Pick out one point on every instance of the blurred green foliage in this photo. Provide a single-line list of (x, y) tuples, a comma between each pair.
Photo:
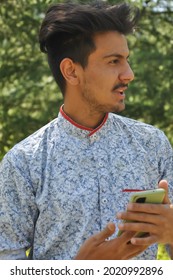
[(29, 97)]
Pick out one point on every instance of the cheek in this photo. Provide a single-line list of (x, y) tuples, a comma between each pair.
[(101, 77), (97, 79)]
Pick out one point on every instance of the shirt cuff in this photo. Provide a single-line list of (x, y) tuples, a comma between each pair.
[(13, 255)]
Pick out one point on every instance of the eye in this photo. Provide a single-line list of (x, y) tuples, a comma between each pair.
[(114, 61)]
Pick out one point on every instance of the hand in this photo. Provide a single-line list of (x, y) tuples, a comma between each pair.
[(97, 247), (156, 219)]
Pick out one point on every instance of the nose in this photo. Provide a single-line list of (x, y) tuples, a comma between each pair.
[(126, 75)]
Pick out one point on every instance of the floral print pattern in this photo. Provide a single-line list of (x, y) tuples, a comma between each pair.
[(61, 184)]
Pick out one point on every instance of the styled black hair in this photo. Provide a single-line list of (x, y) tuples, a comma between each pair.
[(68, 30)]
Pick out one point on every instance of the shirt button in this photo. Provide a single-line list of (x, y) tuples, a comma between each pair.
[(95, 136), (104, 200)]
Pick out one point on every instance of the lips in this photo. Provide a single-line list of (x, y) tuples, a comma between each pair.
[(120, 88), (121, 91)]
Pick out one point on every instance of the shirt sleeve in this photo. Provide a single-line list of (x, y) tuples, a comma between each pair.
[(165, 152), (13, 255), (165, 162), (18, 211)]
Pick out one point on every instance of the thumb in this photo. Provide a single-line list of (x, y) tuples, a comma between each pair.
[(164, 185), (105, 233)]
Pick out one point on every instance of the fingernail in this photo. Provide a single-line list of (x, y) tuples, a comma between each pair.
[(133, 241), (119, 215), (111, 226), (120, 226), (129, 206)]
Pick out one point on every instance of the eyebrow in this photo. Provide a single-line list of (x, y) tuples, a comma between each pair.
[(116, 55)]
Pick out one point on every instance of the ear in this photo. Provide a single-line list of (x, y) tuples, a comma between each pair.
[(69, 71)]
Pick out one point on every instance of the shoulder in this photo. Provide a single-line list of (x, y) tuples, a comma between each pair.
[(131, 123), (142, 132), (135, 125), (34, 145)]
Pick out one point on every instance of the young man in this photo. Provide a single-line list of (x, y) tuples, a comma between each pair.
[(62, 188)]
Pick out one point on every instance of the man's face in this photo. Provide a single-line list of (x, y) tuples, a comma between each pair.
[(107, 74)]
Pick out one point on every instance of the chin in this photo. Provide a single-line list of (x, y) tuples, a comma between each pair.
[(118, 109)]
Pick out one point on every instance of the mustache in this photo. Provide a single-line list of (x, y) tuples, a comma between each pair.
[(120, 86)]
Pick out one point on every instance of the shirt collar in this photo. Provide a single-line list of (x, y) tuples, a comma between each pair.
[(76, 128)]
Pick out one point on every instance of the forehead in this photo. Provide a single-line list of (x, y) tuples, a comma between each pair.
[(111, 42)]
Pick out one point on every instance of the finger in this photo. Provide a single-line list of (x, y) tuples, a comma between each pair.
[(146, 241), (146, 208), (164, 185), (104, 234), (140, 217), (126, 236), (139, 249), (138, 227)]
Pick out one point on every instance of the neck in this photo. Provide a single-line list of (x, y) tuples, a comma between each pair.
[(83, 116)]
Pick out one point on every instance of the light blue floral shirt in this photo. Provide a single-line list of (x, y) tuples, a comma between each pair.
[(64, 183)]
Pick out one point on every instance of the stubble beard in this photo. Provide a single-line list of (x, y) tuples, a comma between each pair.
[(96, 107)]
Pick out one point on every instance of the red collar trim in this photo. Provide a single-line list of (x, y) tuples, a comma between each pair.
[(92, 131), (97, 128)]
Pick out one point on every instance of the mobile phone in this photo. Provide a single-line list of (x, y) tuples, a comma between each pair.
[(155, 196)]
